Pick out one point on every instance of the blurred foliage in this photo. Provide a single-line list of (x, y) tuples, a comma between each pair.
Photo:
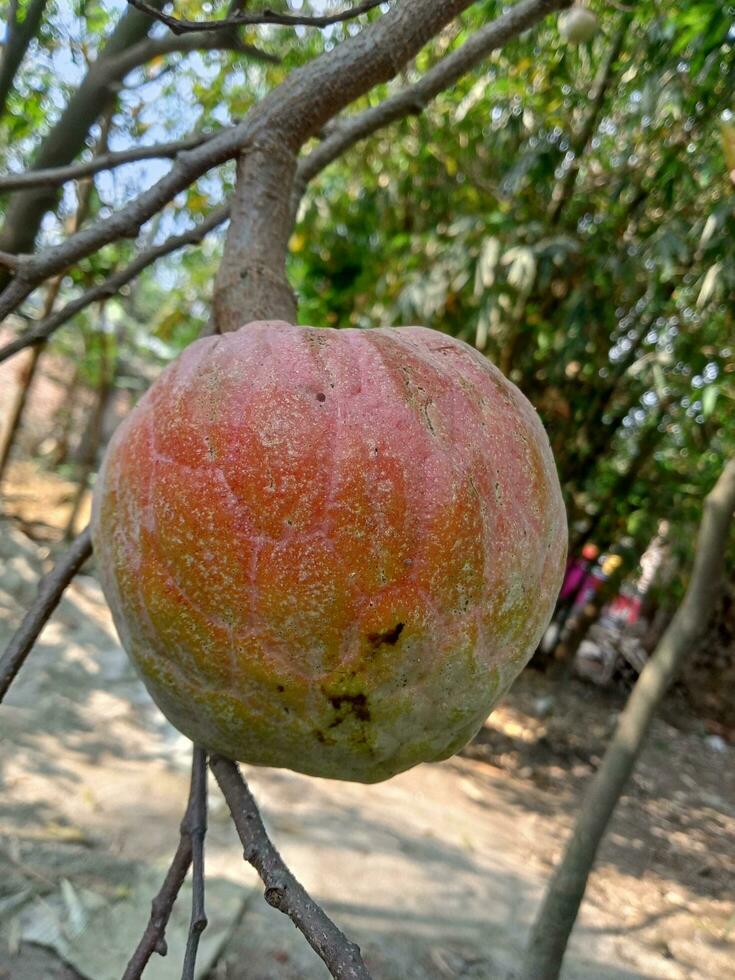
[(615, 316)]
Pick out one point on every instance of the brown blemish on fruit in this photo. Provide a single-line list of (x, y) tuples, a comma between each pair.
[(356, 704), (389, 637)]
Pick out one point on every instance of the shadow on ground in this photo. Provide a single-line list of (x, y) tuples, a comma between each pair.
[(436, 873)]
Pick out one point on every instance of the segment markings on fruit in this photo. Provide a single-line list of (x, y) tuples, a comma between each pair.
[(330, 550)]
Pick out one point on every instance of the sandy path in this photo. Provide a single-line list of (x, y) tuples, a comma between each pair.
[(436, 873)]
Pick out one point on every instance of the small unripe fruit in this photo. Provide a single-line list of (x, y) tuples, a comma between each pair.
[(330, 550), (578, 25)]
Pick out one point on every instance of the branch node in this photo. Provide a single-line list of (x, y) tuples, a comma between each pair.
[(275, 896)]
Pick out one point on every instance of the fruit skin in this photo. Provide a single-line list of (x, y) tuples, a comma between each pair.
[(330, 550), (578, 25)]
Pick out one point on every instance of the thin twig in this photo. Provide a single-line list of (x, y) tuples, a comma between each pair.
[(282, 890), (105, 161), (178, 25), (44, 328), (153, 939), (50, 589), (197, 821)]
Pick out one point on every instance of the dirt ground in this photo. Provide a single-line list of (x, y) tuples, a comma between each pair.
[(436, 873)]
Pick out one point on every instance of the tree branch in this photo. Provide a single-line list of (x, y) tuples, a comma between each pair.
[(50, 589), (105, 161), (111, 285), (414, 98), (126, 48), (197, 829), (115, 69), (282, 890), (291, 113), (153, 939), (11, 261), (251, 281), (18, 37), (67, 137), (181, 26), (269, 294)]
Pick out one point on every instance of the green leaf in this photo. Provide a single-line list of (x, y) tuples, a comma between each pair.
[(709, 400)]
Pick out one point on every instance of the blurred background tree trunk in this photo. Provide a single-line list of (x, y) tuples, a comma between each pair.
[(557, 915)]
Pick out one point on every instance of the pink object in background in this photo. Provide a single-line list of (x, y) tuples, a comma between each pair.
[(626, 608), (579, 582)]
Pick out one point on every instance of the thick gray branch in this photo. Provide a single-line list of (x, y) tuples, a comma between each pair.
[(414, 98), (10, 261), (251, 281), (251, 284), (282, 890), (558, 912)]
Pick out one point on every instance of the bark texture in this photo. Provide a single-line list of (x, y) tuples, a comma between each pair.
[(251, 284), (282, 890)]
